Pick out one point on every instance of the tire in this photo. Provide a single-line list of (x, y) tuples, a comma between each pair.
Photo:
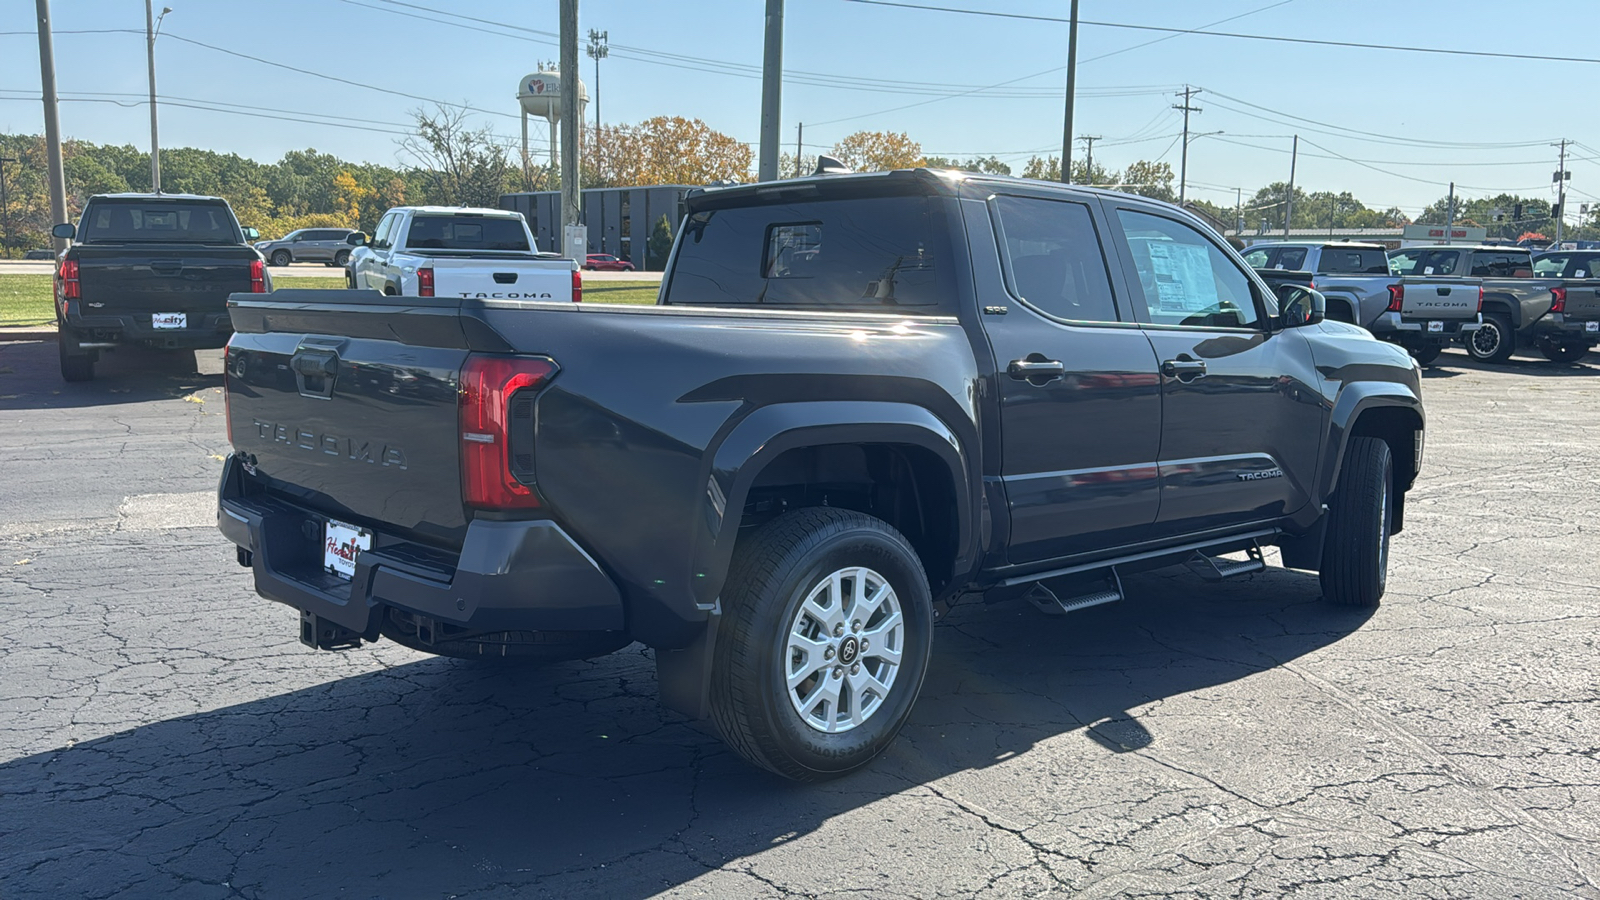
[(783, 609), (1355, 551), (75, 366), (1425, 354), (281, 258), (341, 258), (1563, 353), (514, 647), (1495, 341)]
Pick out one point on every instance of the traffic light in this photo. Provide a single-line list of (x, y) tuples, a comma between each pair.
[(1516, 213), (1555, 211)]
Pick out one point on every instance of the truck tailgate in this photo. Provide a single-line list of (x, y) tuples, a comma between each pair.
[(516, 278), (350, 408), (1434, 298), (145, 278), (1583, 299)]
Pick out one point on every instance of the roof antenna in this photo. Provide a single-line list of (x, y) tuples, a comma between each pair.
[(827, 165)]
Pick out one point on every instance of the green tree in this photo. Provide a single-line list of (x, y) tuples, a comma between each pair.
[(659, 245), (1150, 179), (1043, 169), (988, 165)]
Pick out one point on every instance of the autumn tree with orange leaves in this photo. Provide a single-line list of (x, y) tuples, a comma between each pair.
[(662, 150), (877, 151)]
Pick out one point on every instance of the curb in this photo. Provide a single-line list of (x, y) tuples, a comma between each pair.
[(40, 333)]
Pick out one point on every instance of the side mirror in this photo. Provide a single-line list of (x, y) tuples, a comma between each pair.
[(1300, 306), (356, 239), (251, 234), (64, 230)]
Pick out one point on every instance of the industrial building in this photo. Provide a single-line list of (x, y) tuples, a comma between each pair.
[(619, 219)]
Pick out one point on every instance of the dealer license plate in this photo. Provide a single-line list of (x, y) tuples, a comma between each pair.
[(169, 320), (341, 544), (1591, 326), (1435, 327)]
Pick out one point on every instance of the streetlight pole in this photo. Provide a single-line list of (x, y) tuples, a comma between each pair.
[(1183, 178), (5, 203), (1072, 88), (152, 27)]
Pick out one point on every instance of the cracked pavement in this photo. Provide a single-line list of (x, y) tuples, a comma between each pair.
[(164, 733)]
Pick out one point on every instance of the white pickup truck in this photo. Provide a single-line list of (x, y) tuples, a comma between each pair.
[(450, 251)]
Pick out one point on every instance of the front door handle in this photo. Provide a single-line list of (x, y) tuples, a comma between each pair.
[(1036, 370), (1184, 369)]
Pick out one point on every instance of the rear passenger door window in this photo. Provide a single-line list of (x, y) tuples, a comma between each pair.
[(1259, 258), (1291, 258), (1053, 258)]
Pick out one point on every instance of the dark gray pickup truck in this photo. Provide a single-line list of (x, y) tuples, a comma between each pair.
[(860, 399), (152, 270)]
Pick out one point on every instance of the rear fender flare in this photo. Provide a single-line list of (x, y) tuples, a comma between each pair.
[(1505, 304), (1351, 308), (770, 431)]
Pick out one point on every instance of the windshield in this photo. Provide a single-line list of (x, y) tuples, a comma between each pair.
[(466, 233), (158, 221)]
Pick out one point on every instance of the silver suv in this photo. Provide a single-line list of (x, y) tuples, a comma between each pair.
[(323, 245)]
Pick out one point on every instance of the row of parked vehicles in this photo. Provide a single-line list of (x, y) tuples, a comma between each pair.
[(1493, 300)]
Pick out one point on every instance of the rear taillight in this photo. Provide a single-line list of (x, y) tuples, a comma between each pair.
[(497, 429), (1397, 297), (577, 286), (424, 282), (1480, 298), (258, 277), (68, 273), (1558, 304)]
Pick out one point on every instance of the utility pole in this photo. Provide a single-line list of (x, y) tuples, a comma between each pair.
[(771, 92), (1561, 179), (574, 240), (599, 49), (1088, 155), (52, 127), (799, 146), (1238, 212), (1072, 78), (5, 204), (1288, 212), (152, 27), (1183, 165), (1450, 215)]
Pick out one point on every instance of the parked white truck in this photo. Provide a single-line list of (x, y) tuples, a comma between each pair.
[(449, 251)]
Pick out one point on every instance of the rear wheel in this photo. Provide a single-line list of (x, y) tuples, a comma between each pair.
[(76, 365), (1562, 353), (1355, 551), (341, 258), (828, 623), (1495, 341), (281, 258), (1426, 353)]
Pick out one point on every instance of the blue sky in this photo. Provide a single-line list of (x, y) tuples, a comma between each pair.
[(855, 66)]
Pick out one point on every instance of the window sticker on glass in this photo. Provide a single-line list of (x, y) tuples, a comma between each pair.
[(1184, 280)]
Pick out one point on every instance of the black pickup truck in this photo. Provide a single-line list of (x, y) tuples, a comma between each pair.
[(859, 399), (150, 269)]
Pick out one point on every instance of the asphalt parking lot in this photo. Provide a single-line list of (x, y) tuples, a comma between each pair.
[(163, 733)]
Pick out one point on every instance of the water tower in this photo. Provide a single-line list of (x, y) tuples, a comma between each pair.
[(540, 95)]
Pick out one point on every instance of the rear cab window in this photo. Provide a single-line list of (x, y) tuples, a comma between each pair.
[(131, 220), (1352, 261), (465, 232), (858, 254)]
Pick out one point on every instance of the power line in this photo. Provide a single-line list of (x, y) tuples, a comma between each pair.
[(1237, 35)]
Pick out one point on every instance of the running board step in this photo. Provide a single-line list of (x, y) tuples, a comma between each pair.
[(1049, 603), (1215, 568)]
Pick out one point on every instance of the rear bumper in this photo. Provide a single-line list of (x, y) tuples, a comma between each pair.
[(206, 331), (1394, 326), (1559, 327), (509, 575)]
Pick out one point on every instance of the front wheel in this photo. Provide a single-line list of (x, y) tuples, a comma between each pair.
[(341, 258), (1495, 341), (281, 258), (1562, 353), (1355, 549), (828, 624)]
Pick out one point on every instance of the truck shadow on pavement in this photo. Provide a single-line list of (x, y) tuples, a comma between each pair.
[(445, 778), (30, 377), (1456, 361)]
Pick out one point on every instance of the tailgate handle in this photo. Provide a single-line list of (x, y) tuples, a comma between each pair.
[(1444, 292), (505, 278), (166, 267), (314, 372)]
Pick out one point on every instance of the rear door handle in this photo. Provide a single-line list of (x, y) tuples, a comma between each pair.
[(1036, 370), (1184, 369)]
